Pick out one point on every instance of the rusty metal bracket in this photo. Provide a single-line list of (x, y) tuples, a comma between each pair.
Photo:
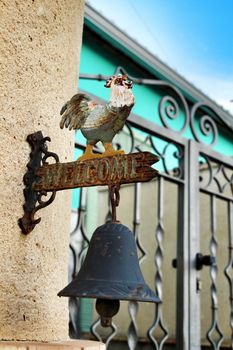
[(43, 178), (34, 199)]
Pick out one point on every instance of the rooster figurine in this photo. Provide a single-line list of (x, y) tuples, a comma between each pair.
[(100, 122)]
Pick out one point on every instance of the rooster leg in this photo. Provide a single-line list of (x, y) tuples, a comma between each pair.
[(88, 154), (110, 151)]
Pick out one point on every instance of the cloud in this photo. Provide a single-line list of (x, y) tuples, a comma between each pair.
[(217, 88)]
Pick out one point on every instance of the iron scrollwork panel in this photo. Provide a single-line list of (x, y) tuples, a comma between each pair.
[(158, 322), (228, 269), (214, 329), (216, 181), (199, 120), (79, 242), (139, 141), (134, 305), (215, 177)]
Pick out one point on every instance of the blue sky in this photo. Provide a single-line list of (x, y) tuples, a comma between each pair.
[(194, 37)]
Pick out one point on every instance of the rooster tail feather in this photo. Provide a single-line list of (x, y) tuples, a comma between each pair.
[(75, 112), (64, 108)]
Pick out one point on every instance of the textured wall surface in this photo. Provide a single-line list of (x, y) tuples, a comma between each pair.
[(65, 345), (39, 58)]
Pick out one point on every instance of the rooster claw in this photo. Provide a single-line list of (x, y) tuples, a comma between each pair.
[(112, 153), (89, 157), (109, 151), (96, 155)]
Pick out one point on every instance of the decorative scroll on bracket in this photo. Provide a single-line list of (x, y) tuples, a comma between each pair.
[(42, 178), (33, 199)]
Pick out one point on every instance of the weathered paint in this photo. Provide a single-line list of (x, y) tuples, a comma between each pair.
[(135, 167)]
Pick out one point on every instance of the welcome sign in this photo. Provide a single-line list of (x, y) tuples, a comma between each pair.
[(119, 169)]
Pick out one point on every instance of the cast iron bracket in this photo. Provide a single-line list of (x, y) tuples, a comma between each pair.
[(42, 178), (34, 199)]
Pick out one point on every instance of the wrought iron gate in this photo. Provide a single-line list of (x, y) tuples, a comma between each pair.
[(172, 204)]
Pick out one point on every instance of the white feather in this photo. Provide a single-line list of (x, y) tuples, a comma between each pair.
[(121, 96)]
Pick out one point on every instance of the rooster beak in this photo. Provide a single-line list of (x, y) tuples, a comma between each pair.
[(109, 81), (107, 84), (130, 84)]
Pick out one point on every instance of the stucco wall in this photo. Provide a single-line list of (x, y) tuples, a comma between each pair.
[(39, 52)]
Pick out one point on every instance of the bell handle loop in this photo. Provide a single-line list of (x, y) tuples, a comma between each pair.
[(114, 192)]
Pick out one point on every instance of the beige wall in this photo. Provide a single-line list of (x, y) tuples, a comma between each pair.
[(39, 55)]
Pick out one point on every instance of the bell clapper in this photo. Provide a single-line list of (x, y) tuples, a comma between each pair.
[(107, 308), (114, 192)]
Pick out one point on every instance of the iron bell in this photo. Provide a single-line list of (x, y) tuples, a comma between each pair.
[(110, 272)]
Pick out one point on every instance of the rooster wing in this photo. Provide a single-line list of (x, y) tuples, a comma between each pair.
[(75, 112)]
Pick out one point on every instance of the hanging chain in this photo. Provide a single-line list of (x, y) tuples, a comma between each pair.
[(114, 193)]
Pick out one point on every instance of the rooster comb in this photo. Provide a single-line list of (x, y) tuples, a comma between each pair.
[(120, 79)]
